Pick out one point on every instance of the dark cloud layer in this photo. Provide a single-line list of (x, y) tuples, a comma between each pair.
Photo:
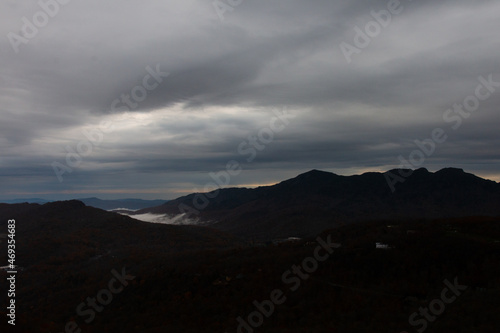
[(225, 80)]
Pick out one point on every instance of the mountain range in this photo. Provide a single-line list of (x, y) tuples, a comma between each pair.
[(187, 277), (127, 204), (317, 200)]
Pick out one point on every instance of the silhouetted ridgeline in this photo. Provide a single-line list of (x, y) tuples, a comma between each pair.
[(317, 200)]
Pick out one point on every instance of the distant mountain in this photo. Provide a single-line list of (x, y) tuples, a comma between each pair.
[(317, 200), (126, 204), (131, 204), (28, 200)]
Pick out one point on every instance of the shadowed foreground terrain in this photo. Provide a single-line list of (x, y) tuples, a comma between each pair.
[(196, 279)]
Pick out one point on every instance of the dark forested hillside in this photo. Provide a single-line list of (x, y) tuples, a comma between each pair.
[(317, 200)]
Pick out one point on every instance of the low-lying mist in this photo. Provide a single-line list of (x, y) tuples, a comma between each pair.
[(180, 219)]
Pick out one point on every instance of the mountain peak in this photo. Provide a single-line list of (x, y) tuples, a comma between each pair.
[(316, 173), (455, 171), (311, 178)]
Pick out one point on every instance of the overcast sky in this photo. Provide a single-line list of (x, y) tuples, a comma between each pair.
[(351, 104)]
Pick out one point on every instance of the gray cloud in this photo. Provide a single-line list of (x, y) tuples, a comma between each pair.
[(225, 78)]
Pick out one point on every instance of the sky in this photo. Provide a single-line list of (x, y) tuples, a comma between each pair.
[(157, 99)]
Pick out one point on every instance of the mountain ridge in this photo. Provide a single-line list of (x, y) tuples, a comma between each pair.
[(316, 200), (110, 204)]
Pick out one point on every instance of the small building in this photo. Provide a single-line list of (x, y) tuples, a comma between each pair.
[(382, 246)]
